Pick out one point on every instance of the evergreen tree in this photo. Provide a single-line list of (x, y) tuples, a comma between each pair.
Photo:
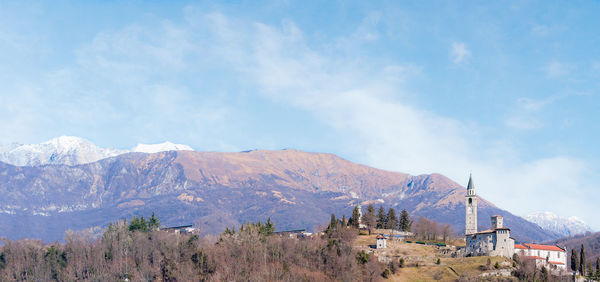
[(355, 218), (574, 260), (369, 218), (269, 227), (332, 223), (138, 224), (405, 222), (344, 223), (598, 267), (153, 223), (582, 261), (381, 218), (544, 274), (391, 220)]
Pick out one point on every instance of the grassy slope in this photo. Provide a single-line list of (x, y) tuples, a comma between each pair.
[(449, 269)]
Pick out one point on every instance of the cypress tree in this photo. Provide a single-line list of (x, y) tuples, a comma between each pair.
[(574, 260), (381, 218), (582, 261), (344, 223), (598, 267), (391, 220)]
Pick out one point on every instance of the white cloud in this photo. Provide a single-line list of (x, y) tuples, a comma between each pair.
[(524, 114), (363, 101), (557, 69), (540, 30), (459, 52), (137, 69)]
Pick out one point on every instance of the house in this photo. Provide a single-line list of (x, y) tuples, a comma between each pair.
[(381, 242), (182, 229), (552, 257)]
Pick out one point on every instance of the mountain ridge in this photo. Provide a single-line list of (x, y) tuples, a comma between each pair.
[(72, 150), (562, 226), (216, 190)]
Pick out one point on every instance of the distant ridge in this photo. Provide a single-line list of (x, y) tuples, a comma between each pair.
[(71, 150), (562, 226), (215, 190)]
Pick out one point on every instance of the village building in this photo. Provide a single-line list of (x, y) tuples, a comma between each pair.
[(381, 242), (182, 229), (552, 257)]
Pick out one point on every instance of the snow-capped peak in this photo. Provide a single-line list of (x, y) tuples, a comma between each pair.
[(71, 150), (155, 148), (560, 225)]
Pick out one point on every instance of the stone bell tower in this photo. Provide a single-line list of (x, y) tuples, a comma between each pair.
[(471, 209)]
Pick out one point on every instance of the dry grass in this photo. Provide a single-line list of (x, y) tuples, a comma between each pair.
[(449, 269), (425, 257)]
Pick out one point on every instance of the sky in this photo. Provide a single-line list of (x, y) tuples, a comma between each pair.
[(507, 91)]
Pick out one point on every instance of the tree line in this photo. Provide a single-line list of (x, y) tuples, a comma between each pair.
[(138, 251), (585, 268), (381, 220)]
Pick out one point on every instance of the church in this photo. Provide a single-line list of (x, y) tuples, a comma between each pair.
[(495, 241)]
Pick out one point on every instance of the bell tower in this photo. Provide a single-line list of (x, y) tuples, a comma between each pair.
[(471, 209)]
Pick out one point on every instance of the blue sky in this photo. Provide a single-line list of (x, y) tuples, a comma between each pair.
[(507, 91)]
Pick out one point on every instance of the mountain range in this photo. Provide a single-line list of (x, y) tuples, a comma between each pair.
[(70, 150), (214, 190), (562, 226)]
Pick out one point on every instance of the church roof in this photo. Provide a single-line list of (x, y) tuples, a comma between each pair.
[(543, 247), (380, 237), (470, 185)]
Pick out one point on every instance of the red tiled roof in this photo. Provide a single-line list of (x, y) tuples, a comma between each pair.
[(380, 237), (534, 257), (555, 262), (519, 246), (544, 247)]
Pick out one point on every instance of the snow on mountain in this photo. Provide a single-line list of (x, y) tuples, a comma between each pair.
[(155, 148), (70, 150), (560, 225)]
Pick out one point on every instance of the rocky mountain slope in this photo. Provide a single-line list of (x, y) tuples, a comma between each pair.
[(215, 190), (560, 225), (69, 150)]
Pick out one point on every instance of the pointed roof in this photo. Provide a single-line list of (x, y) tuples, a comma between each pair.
[(470, 185)]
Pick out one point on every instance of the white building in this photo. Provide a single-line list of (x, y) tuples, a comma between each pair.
[(381, 240), (552, 257)]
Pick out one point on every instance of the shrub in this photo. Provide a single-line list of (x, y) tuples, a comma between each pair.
[(386, 273)]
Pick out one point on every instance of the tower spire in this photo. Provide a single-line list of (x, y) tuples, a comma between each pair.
[(471, 186), (471, 208)]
